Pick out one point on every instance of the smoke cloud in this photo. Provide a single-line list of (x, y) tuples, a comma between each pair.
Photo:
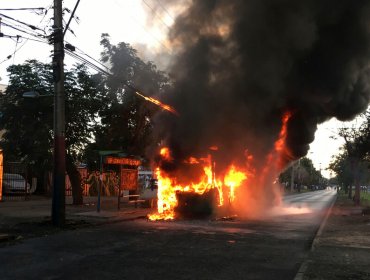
[(241, 64)]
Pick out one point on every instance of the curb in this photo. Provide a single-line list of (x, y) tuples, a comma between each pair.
[(111, 220), (323, 224), (302, 269)]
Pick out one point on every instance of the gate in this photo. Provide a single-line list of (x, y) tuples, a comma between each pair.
[(14, 181)]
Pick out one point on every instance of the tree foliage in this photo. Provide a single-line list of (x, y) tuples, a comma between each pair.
[(352, 165), (126, 119), (28, 123), (103, 112), (304, 174)]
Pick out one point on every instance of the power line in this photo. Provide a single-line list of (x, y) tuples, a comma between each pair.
[(156, 14), (166, 11), (6, 59), (21, 9), (126, 83), (22, 30), (72, 15), (142, 26), (88, 63), (27, 39), (21, 22), (83, 53), (16, 50)]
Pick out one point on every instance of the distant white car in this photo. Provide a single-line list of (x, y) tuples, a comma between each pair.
[(15, 183)]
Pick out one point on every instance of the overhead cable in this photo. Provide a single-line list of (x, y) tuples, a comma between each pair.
[(21, 22), (21, 9), (156, 14)]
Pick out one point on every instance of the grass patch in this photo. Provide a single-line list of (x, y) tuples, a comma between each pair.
[(343, 199), (365, 199)]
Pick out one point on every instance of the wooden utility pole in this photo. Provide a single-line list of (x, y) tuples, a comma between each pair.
[(292, 178), (59, 167)]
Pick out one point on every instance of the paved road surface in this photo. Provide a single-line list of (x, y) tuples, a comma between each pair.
[(198, 249)]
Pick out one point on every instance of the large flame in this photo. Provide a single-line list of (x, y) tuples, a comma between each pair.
[(227, 183), (167, 186)]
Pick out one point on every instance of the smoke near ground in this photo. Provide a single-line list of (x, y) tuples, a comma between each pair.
[(242, 64)]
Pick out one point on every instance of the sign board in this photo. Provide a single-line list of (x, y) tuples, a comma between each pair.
[(122, 161), (129, 179)]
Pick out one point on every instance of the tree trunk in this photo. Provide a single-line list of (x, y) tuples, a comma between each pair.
[(356, 198), (350, 191), (75, 179), (345, 188)]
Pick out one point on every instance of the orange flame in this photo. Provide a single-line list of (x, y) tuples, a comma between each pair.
[(280, 143), (233, 179), (165, 153), (159, 103), (167, 186)]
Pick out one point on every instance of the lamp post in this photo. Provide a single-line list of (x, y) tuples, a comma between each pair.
[(59, 166)]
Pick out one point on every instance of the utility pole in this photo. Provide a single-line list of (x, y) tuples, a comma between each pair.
[(292, 178), (59, 167)]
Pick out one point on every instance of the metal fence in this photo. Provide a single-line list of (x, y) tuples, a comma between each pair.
[(15, 185), (84, 185)]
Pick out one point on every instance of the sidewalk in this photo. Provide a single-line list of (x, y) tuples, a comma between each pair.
[(22, 219), (341, 249)]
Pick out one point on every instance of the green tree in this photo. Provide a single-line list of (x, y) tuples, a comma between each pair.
[(126, 119), (28, 123), (352, 165), (342, 167), (305, 174)]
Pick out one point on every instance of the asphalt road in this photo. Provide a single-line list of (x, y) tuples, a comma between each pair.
[(199, 249)]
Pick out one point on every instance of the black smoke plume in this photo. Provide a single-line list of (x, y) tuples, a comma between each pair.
[(241, 64)]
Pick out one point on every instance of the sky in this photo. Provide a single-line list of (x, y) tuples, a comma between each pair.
[(129, 21)]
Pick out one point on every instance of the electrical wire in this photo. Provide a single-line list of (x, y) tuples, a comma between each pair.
[(90, 57), (142, 26), (156, 14), (21, 9), (166, 11), (16, 50), (27, 39), (88, 63), (72, 15), (21, 22), (22, 30), (16, 44)]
